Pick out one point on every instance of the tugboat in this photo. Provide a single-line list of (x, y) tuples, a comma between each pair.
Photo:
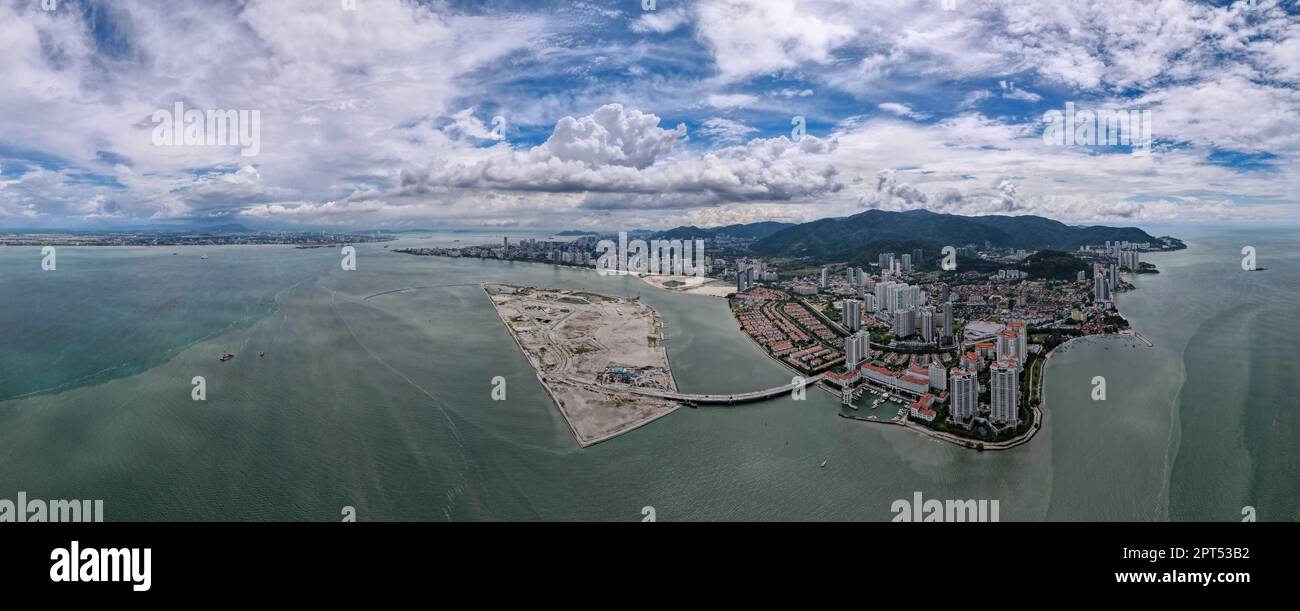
[(226, 357)]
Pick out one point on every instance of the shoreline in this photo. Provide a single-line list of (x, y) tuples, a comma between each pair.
[(1023, 438)]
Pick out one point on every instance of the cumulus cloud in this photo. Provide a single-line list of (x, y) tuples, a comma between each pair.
[(890, 194), (620, 151), (610, 136)]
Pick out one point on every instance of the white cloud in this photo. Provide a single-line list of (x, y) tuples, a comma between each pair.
[(731, 100), (726, 130), (757, 37), (618, 151), (610, 136), (902, 110), (661, 21)]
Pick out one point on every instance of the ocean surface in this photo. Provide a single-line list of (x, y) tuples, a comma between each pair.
[(381, 399)]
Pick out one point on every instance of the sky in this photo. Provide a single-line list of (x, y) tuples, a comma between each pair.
[(628, 114)]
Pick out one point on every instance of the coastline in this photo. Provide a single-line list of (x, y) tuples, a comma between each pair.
[(1023, 438), (968, 443)]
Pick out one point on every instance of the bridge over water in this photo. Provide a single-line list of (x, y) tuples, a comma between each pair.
[(748, 397)]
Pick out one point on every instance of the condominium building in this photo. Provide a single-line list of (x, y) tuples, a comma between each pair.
[(857, 348), (938, 377), (1004, 392), (1022, 339), (851, 315), (904, 323), (965, 394)]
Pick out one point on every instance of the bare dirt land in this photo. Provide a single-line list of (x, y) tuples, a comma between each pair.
[(577, 342), (695, 285)]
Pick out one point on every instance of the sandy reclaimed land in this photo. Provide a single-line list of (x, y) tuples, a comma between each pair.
[(572, 338), (694, 285)]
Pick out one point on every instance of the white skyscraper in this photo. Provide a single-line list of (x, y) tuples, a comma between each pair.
[(857, 348), (938, 377), (1101, 287), (884, 296), (904, 323), (1008, 345), (851, 314), (927, 324), (905, 264), (1004, 392), (826, 279), (964, 397), (1022, 339)]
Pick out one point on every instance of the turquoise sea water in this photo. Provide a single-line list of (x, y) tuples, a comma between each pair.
[(383, 402)]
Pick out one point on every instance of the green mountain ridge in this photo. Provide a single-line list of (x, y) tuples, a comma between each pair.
[(863, 236)]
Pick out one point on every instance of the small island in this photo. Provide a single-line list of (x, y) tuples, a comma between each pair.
[(598, 356)]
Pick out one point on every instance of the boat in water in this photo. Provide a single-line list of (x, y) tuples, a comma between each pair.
[(226, 357)]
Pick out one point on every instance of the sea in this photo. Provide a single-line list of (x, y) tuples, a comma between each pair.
[(372, 390)]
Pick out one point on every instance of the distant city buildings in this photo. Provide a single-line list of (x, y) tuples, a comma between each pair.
[(1129, 259), (897, 296), (1011, 274)]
